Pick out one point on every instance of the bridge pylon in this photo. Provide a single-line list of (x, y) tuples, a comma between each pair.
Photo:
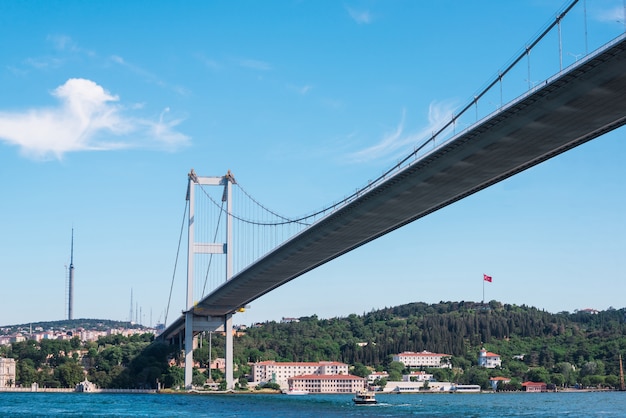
[(193, 322)]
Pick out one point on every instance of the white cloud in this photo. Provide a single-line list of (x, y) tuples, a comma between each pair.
[(88, 118), (397, 143), (63, 43), (164, 130), (360, 16)]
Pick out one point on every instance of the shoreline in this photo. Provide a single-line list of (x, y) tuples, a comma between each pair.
[(271, 392)]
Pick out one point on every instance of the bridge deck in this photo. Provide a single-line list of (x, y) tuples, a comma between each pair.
[(580, 104)]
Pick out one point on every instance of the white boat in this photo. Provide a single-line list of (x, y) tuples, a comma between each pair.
[(364, 397)]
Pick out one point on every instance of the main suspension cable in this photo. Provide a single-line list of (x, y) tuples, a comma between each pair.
[(182, 228)]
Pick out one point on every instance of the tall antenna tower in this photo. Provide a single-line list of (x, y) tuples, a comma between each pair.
[(130, 317), (70, 294)]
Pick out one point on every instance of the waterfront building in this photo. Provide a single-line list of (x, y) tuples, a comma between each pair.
[(489, 360), (320, 383), (86, 386), (280, 372), (422, 359), (417, 387), (534, 387), (7, 372)]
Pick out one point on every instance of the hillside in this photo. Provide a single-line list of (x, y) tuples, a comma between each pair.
[(564, 349), (68, 324), (539, 339)]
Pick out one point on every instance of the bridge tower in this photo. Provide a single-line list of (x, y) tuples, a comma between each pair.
[(195, 322)]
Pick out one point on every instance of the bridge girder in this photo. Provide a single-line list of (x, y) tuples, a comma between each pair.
[(577, 105)]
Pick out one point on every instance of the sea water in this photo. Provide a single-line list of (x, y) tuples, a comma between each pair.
[(563, 404)]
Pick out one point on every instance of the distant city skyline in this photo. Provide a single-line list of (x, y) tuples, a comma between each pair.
[(103, 114)]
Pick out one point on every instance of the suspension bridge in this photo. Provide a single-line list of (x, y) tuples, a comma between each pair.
[(574, 105)]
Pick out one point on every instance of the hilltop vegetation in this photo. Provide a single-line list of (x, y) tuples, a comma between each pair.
[(563, 349)]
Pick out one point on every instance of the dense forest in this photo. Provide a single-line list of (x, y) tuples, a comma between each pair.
[(563, 349)]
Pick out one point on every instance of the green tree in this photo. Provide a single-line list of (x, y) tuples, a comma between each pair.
[(174, 377), (612, 381), (198, 379), (25, 371), (557, 379), (381, 382), (476, 376), (360, 370), (75, 343), (99, 378), (243, 383), (69, 374), (596, 380), (538, 374), (395, 370)]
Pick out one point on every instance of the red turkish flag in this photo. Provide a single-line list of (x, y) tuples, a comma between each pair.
[(487, 278)]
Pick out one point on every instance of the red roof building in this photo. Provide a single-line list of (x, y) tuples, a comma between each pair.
[(489, 360), (534, 387), (317, 383), (421, 359)]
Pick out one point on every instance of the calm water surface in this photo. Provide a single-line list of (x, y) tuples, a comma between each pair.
[(584, 404)]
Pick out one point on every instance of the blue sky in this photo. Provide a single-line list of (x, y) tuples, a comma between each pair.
[(106, 106)]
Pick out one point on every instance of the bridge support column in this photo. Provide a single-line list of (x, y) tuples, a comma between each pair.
[(188, 349), (229, 364)]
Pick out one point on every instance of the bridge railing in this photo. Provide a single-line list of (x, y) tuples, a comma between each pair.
[(543, 58), (522, 75)]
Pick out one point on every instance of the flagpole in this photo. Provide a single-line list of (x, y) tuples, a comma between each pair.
[(485, 279)]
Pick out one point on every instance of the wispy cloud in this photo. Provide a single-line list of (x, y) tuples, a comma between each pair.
[(43, 63), (88, 118), (65, 49), (360, 16), (208, 62), (300, 89), (397, 142), (147, 75), (67, 44), (255, 64)]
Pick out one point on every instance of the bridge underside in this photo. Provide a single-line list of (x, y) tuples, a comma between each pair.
[(578, 105)]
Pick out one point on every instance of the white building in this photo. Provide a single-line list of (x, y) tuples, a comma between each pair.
[(7, 372), (417, 387), (422, 359), (371, 378), (489, 360), (318, 383), (280, 372), (417, 377)]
